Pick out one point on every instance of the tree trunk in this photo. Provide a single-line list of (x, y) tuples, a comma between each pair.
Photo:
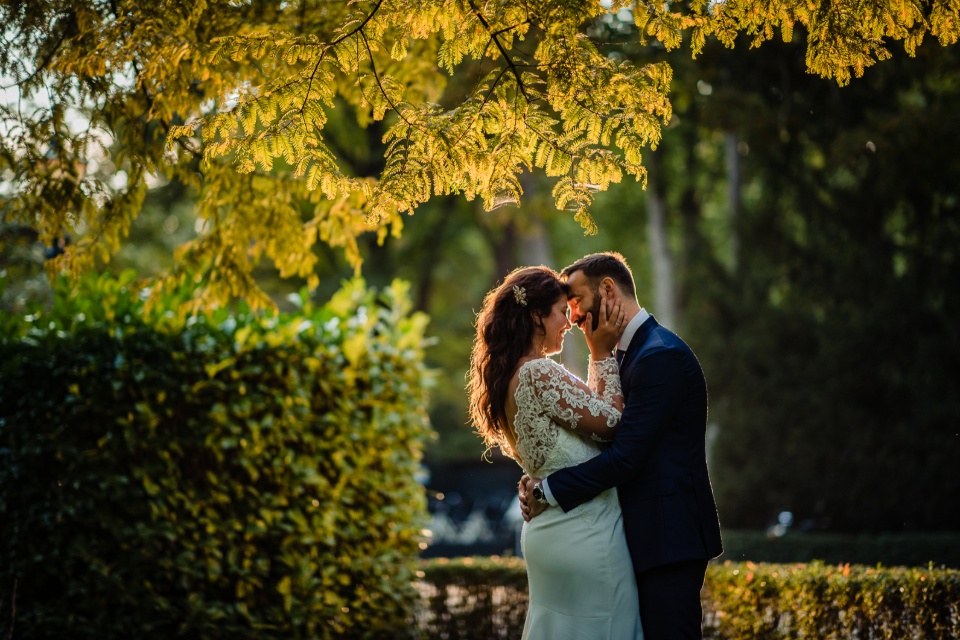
[(430, 255), (731, 143), (665, 302)]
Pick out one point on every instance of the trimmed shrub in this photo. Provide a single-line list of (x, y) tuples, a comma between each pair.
[(474, 598), (890, 549), (239, 475), (816, 601)]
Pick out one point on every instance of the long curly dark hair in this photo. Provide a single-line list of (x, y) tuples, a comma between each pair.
[(507, 324)]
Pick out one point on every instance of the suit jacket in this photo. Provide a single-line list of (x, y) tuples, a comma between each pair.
[(658, 457)]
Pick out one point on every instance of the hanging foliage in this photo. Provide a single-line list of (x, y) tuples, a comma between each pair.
[(234, 98)]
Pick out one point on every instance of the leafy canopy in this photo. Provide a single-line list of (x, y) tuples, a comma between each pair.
[(234, 98)]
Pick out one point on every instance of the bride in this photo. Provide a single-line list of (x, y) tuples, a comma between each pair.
[(581, 579)]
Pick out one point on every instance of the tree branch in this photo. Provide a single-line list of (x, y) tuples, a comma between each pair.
[(486, 99), (163, 123), (373, 67), (503, 52), (43, 64), (511, 28), (335, 42)]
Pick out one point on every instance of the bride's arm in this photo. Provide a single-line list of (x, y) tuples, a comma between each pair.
[(574, 405), (603, 377), (604, 373)]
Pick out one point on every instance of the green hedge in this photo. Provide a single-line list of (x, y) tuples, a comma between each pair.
[(890, 549), (474, 598), (817, 601), (233, 476)]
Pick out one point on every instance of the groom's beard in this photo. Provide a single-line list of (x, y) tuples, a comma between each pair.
[(595, 310)]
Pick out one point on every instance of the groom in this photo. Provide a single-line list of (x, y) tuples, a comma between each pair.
[(657, 459)]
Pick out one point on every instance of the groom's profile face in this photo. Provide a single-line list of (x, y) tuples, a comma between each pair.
[(583, 298)]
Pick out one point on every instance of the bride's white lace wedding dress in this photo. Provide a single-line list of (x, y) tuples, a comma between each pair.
[(581, 580)]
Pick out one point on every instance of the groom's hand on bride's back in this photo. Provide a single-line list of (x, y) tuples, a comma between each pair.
[(529, 507)]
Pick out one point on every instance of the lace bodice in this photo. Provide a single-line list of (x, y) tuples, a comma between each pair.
[(558, 415)]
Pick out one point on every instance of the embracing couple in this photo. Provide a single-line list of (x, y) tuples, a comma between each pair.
[(620, 518)]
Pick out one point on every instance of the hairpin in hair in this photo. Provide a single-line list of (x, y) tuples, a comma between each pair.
[(520, 295)]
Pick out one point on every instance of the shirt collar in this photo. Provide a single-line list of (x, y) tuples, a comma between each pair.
[(631, 329)]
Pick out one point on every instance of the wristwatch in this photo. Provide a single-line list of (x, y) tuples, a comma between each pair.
[(538, 493)]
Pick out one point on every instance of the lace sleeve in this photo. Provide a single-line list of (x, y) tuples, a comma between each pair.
[(571, 403), (603, 377)]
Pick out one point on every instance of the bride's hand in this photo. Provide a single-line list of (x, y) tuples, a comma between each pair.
[(605, 337), (529, 507)]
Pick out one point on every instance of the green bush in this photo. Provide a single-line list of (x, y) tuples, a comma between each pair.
[(889, 549), (472, 598), (808, 602), (476, 598), (239, 475)]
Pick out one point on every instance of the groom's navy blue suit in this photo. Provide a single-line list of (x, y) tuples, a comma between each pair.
[(658, 463)]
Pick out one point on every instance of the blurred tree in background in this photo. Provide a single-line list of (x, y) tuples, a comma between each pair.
[(831, 329), (800, 234), (811, 236)]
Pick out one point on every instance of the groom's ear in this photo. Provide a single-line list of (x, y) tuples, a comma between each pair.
[(609, 287)]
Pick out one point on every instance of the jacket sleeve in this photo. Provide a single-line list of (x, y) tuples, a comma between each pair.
[(656, 389)]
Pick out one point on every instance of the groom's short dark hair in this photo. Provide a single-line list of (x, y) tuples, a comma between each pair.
[(597, 266)]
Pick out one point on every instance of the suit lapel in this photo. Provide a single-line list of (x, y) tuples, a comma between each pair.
[(636, 343)]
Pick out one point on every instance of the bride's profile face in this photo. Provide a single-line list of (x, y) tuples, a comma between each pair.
[(556, 326)]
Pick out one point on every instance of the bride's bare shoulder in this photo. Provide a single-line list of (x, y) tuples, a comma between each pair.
[(521, 365)]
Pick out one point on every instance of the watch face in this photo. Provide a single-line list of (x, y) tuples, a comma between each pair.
[(538, 492)]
